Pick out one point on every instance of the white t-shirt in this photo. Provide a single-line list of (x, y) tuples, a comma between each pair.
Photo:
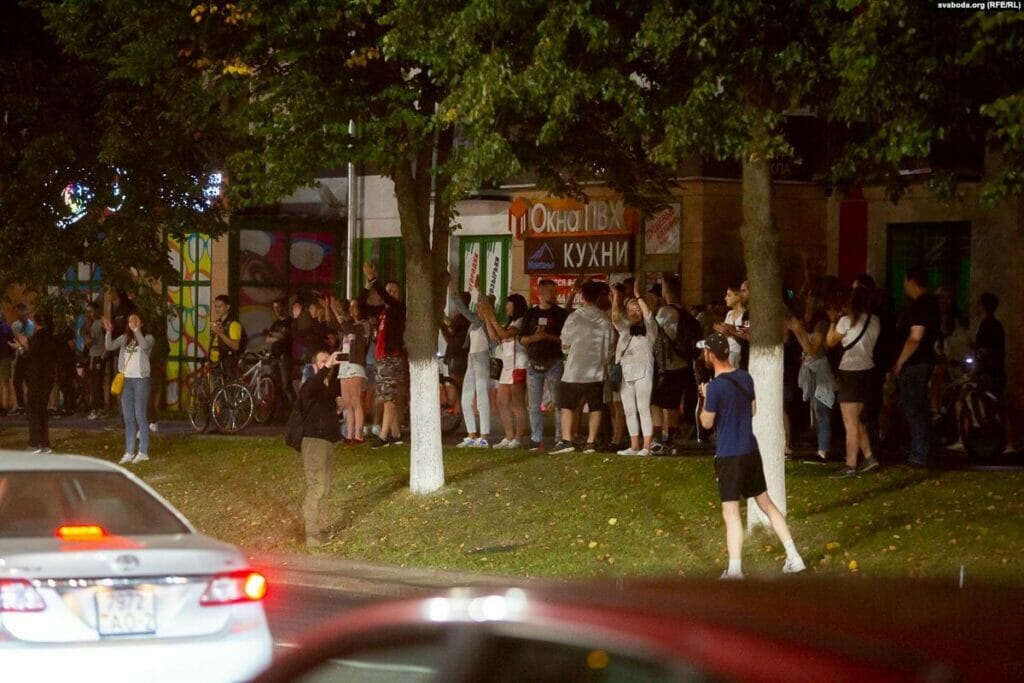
[(735, 319), (636, 353), (587, 335), (132, 366), (478, 340), (859, 357), (513, 355)]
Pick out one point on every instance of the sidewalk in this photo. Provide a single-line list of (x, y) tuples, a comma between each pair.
[(366, 578)]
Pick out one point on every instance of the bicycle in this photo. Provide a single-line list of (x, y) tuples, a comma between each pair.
[(259, 379), (229, 404), (980, 423)]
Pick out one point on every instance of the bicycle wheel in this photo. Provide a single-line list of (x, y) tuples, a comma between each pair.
[(232, 408), (199, 404), (265, 400)]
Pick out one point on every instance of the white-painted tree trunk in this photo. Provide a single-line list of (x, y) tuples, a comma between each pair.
[(426, 462), (766, 369)]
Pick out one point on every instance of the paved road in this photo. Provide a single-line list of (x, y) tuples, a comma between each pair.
[(293, 610)]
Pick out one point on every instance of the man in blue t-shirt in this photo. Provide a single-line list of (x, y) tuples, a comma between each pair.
[(729, 403)]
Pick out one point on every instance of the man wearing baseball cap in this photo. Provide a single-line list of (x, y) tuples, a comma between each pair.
[(729, 402)]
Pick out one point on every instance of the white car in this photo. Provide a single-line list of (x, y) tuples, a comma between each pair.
[(101, 579)]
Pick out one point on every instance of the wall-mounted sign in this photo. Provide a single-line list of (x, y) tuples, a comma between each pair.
[(568, 218), (661, 231), (558, 255)]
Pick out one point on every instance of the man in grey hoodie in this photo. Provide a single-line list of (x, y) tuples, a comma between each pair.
[(588, 338)]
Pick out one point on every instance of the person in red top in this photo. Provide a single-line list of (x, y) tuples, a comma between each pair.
[(390, 355)]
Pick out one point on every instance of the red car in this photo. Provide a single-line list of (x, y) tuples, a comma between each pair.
[(793, 630)]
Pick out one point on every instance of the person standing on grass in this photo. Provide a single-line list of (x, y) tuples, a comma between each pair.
[(512, 383), (22, 327), (390, 354), (475, 388), (729, 401), (96, 348), (918, 332), (857, 332), (133, 349), (317, 398), (541, 335), (39, 361), (355, 334), (587, 338), (635, 355)]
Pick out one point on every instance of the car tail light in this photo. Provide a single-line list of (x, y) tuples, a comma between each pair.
[(243, 586), (81, 532), (18, 595)]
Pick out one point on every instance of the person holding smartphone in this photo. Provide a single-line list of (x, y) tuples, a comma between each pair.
[(319, 434)]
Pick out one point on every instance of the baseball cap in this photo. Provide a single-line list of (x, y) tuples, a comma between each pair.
[(716, 343)]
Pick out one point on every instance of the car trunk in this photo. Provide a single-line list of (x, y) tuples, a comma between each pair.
[(117, 587)]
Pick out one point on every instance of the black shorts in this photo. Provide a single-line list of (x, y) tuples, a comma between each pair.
[(668, 391), (856, 386), (739, 476), (572, 395)]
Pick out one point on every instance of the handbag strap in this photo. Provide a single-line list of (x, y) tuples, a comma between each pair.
[(628, 342), (743, 390), (867, 322)]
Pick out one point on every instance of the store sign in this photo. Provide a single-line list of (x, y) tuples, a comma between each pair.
[(568, 217), (661, 231), (488, 264), (612, 254)]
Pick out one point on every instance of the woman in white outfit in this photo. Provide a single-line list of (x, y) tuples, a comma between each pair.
[(477, 384), (512, 384), (133, 349), (635, 353)]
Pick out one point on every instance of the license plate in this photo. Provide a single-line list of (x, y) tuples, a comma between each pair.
[(126, 612)]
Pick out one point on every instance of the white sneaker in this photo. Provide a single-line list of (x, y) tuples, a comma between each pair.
[(375, 430), (643, 451), (141, 457), (482, 443), (958, 447), (504, 443), (514, 443), (794, 566), (152, 426), (92, 415), (126, 459), (466, 443), (726, 576), (628, 451)]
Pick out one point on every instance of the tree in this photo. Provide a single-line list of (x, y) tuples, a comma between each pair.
[(650, 83), (89, 169), (288, 78)]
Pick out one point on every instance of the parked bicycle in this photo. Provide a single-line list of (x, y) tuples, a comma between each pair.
[(970, 418), (229, 405), (259, 378)]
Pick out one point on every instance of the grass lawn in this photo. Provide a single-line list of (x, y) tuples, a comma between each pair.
[(520, 513)]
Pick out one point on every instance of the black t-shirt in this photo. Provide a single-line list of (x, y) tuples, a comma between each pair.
[(554, 319), (282, 330), (923, 312), (992, 340)]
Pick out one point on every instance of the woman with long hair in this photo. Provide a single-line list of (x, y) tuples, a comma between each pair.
[(816, 379), (475, 389), (355, 335), (635, 354), (857, 331), (512, 383), (133, 348)]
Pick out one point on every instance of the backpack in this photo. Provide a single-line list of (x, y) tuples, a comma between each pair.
[(688, 333)]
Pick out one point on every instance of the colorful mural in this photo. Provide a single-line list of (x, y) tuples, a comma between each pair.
[(188, 332)]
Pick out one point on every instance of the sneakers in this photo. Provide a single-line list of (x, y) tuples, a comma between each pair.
[(657, 448), (482, 443), (152, 426), (590, 448), (868, 465), (726, 576), (375, 430), (126, 459), (644, 451), (141, 457), (42, 449), (380, 443), (504, 443), (845, 473), (466, 443), (562, 447), (514, 443), (957, 446), (93, 415), (794, 566), (628, 451), (537, 446)]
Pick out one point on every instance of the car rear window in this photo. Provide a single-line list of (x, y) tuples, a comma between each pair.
[(35, 504)]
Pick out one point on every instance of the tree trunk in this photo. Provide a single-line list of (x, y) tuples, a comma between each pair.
[(423, 281), (761, 253)]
